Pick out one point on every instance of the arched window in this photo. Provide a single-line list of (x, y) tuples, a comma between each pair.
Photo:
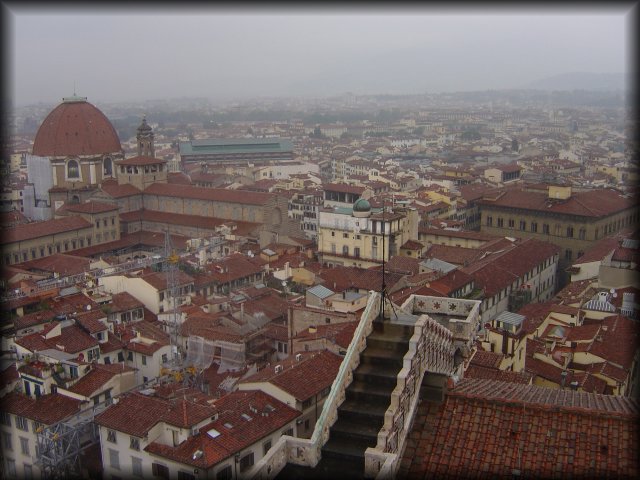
[(73, 169), (107, 166)]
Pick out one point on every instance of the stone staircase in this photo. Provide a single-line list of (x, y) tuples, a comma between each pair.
[(361, 415)]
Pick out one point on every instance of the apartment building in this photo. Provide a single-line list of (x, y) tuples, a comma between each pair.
[(359, 236), (574, 221)]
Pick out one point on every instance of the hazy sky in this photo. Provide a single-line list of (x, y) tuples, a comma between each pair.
[(138, 54)]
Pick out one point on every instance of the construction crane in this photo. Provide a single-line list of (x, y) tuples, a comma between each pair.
[(171, 269)]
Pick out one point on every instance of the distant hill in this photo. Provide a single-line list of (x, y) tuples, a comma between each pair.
[(581, 81)]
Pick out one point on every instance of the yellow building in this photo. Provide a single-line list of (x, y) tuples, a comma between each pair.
[(359, 237), (572, 220)]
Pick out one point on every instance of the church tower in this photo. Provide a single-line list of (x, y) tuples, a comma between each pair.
[(145, 139)]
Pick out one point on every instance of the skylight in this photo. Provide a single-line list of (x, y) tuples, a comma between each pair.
[(213, 433)]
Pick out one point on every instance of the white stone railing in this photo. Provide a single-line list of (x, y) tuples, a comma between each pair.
[(431, 348), (307, 452)]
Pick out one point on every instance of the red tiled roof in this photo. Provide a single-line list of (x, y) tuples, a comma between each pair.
[(210, 194), (123, 301), (91, 382), (72, 340), (598, 251), (491, 429), (112, 344), (135, 413), (158, 280), (28, 231), (90, 321), (303, 378), (483, 358), (114, 190), (590, 203), (343, 187), (502, 269), (197, 221), (76, 128), (619, 341), (231, 440), (47, 409), (33, 319), (61, 263)]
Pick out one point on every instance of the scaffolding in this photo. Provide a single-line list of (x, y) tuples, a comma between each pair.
[(171, 270), (59, 446)]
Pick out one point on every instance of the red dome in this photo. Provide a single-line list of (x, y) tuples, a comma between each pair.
[(76, 127)]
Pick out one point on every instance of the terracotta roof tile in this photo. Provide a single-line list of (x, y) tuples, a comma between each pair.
[(231, 440), (202, 193), (535, 431), (590, 203), (91, 382), (47, 409), (303, 378), (33, 230)]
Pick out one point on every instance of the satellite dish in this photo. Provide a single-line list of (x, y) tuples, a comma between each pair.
[(613, 290), (88, 307)]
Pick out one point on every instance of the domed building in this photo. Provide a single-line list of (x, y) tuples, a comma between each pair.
[(361, 208), (81, 146)]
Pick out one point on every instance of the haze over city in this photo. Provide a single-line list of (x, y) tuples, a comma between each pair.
[(114, 55)]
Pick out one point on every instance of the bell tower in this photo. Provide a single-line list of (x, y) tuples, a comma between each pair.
[(145, 139)]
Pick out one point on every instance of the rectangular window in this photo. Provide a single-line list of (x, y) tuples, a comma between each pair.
[(5, 418), (289, 432), (22, 423), (265, 447), (523, 225), (111, 436), (114, 460), (185, 476), (224, 474), (489, 221), (568, 254), (545, 228), (570, 232), (7, 444), (307, 403), (136, 466), (11, 468), (161, 471), (246, 462), (534, 227), (144, 359), (134, 443), (582, 234), (500, 222), (24, 445), (28, 471)]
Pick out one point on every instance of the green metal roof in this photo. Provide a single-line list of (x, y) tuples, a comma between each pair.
[(235, 145)]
